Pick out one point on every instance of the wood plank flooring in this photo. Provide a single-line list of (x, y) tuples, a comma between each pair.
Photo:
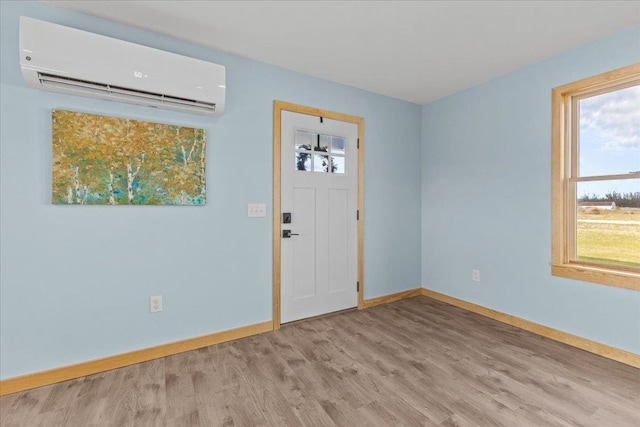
[(416, 362)]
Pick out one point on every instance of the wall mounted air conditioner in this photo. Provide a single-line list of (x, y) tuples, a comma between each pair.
[(67, 60)]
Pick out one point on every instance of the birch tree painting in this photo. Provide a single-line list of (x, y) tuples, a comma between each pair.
[(99, 160)]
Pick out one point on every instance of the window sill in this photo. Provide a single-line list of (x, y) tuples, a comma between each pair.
[(601, 275)]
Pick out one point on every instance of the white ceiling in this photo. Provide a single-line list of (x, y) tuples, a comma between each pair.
[(411, 50)]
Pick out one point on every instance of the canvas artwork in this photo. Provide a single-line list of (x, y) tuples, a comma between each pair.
[(100, 160)]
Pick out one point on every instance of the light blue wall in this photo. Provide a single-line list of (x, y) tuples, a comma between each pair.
[(75, 282), (486, 199)]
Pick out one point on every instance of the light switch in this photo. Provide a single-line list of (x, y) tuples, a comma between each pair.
[(256, 210)]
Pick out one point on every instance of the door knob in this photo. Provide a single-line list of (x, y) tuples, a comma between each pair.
[(287, 234)]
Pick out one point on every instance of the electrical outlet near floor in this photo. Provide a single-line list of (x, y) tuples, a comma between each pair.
[(155, 304), (475, 275)]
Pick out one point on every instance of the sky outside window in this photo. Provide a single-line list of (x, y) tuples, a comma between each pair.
[(610, 139)]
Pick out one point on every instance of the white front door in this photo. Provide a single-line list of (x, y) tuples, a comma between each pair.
[(319, 181)]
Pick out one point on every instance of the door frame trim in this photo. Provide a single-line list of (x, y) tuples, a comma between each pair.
[(278, 108)]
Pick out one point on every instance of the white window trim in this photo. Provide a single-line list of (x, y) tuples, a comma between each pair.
[(562, 205)]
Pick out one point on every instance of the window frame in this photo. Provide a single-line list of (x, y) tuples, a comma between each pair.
[(563, 196)]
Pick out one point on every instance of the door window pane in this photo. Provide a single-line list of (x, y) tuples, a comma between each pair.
[(303, 161), (338, 164), (337, 145), (608, 222), (322, 144), (303, 140), (320, 163)]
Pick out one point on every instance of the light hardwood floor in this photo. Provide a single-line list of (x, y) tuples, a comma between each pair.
[(411, 362)]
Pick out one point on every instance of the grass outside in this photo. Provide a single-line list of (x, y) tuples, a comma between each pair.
[(611, 244), (620, 214)]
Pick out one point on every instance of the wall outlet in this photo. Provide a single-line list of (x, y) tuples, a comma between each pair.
[(256, 210), (475, 275), (155, 304)]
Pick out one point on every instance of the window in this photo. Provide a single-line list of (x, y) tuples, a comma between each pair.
[(596, 179), (319, 153)]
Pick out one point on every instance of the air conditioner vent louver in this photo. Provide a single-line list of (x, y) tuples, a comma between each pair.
[(124, 94)]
